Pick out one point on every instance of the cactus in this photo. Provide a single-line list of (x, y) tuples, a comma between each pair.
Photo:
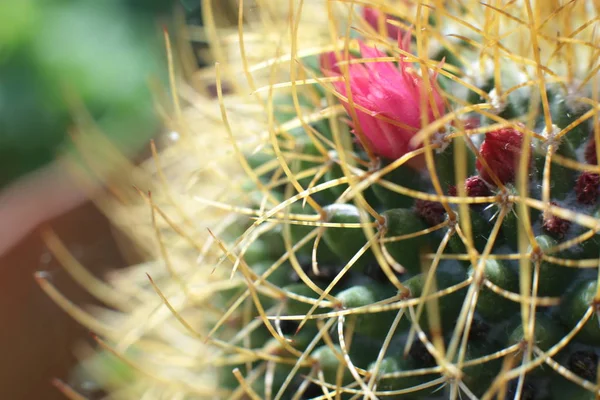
[(400, 227)]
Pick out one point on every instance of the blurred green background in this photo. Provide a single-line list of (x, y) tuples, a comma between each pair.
[(103, 53)]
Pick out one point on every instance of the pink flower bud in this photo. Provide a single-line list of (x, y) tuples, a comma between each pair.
[(501, 150), (386, 90)]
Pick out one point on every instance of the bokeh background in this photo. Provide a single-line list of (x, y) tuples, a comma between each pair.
[(57, 56), (55, 52)]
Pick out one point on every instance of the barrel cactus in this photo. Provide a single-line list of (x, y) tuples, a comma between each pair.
[(413, 213)]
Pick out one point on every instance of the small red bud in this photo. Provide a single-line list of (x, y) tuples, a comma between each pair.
[(474, 186), (590, 152), (555, 225), (468, 123), (432, 212), (501, 150), (472, 123), (477, 187), (586, 187)]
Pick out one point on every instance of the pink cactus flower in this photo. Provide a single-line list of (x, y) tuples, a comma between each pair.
[(389, 91), (373, 16)]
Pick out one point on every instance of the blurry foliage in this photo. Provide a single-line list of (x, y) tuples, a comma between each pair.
[(103, 54)]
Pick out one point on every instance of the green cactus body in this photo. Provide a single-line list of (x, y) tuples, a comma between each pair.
[(563, 115), (329, 363), (399, 222), (334, 313), (481, 229), (561, 178), (390, 365), (368, 324), (589, 248), (491, 305), (479, 377), (449, 305), (402, 176), (445, 169), (299, 232), (297, 307), (552, 277), (561, 388), (577, 302), (547, 334), (346, 242)]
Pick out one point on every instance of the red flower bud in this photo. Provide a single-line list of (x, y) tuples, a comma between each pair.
[(586, 187), (477, 187), (555, 225), (474, 186), (590, 152), (432, 212), (501, 150)]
